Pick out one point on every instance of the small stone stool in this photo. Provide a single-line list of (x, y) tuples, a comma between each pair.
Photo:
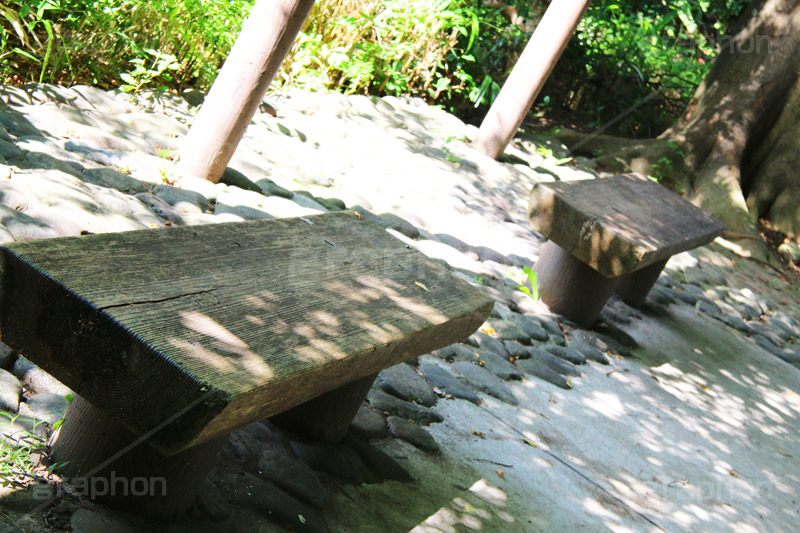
[(609, 235)]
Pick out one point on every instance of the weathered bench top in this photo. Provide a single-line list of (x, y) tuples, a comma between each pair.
[(242, 319), (619, 224)]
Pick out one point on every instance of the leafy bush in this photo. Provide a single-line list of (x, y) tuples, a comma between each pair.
[(641, 58), (456, 52), (95, 41)]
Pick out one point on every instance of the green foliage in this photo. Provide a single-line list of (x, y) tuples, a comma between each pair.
[(645, 59), (96, 41), (525, 280), (142, 75), (17, 463), (456, 52)]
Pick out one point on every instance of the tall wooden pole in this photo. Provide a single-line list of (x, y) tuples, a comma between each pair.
[(266, 37), (528, 75)]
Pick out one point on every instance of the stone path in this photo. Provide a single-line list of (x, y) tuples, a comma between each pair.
[(530, 424)]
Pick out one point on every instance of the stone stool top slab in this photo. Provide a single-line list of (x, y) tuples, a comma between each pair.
[(619, 224)]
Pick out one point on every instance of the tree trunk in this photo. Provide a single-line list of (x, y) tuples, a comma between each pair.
[(736, 149)]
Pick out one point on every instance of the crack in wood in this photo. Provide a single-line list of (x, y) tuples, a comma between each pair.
[(157, 300)]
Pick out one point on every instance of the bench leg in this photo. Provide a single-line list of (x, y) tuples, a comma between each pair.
[(570, 287), (634, 287), (328, 416), (142, 480)]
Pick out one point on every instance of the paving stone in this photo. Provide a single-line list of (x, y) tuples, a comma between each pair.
[(662, 296), (382, 465), (365, 213), (498, 365), (682, 296), (9, 150), (309, 203), (182, 200), (508, 331), (386, 403), (589, 352), (36, 380), (531, 327), (516, 349), (292, 476), (48, 407), (270, 187), (17, 430), (331, 204), (106, 177), (782, 330), (557, 340), (556, 363), (251, 492), (487, 342), (200, 186), (567, 354), (737, 323), (766, 333), (787, 321), (616, 333), (210, 503), (483, 380), (541, 370), (400, 225), (790, 355), (501, 310), (405, 383), (10, 392), (412, 433), (7, 356), (24, 227), (368, 423), (447, 383), (160, 208), (707, 308), (335, 460)]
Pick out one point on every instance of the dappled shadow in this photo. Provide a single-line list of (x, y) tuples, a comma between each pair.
[(258, 316), (699, 432)]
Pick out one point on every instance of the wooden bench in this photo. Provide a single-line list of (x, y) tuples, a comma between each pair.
[(609, 235), (178, 336)]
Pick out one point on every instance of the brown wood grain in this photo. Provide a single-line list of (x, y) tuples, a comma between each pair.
[(619, 224), (245, 319)]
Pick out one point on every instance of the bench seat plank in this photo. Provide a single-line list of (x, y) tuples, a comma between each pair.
[(619, 224), (239, 320)]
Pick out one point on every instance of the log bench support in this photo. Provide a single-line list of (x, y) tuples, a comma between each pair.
[(172, 338), (609, 236)]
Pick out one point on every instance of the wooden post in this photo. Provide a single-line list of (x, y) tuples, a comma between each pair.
[(570, 287), (141, 480), (633, 288), (327, 417), (266, 37), (528, 76)]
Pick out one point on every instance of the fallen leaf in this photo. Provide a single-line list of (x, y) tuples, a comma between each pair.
[(500, 473), (569, 384), (479, 434), (734, 473), (488, 331), (552, 400), (421, 286), (301, 518), (783, 453)]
